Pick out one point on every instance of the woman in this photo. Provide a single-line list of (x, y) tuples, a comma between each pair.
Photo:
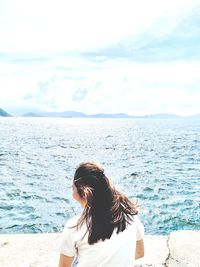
[(108, 233)]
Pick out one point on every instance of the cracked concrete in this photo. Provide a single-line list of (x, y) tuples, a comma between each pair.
[(179, 249), (168, 256), (156, 251), (184, 249)]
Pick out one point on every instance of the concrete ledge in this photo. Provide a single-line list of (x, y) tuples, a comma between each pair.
[(184, 249), (156, 251), (29, 250), (179, 249)]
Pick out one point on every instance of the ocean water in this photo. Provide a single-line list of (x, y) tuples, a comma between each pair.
[(156, 162)]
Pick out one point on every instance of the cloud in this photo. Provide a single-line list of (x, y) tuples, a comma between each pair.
[(79, 95), (113, 85), (66, 57), (64, 25), (28, 97), (169, 38)]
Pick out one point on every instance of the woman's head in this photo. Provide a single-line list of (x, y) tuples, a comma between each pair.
[(91, 186), (105, 208)]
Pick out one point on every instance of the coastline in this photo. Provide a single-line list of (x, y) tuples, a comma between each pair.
[(180, 248)]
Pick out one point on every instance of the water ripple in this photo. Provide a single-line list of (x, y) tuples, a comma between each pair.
[(153, 161)]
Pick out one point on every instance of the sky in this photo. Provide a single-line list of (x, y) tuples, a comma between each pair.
[(135, 57)]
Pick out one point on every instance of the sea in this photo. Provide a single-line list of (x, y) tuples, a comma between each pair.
[(155, 162)]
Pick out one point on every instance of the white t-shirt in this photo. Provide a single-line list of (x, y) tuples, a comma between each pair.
[(118, 251)]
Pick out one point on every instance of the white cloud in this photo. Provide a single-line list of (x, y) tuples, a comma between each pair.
[(110, 86), (81, 25), (62, 81)]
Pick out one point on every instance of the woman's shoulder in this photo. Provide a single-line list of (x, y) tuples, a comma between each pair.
[(71, 231), (135, 223), (139, 227), (70, 226), (136, 219), (72, 221)]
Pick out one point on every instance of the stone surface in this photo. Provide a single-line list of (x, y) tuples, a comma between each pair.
[(29, 250), (156, 251), (179, 249), (42, 250), (184, 249)]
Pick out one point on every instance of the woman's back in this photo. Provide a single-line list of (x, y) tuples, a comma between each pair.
[(108, 230), (117, 251)]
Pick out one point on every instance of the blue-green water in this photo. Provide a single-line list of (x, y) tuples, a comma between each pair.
[(156, 162)]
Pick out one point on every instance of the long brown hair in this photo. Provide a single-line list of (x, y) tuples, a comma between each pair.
[(106, 208)]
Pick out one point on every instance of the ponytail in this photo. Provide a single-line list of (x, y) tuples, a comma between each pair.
[(106, 208)]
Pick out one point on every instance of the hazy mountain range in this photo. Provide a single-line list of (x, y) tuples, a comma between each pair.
[(75, 114), (3, 113)]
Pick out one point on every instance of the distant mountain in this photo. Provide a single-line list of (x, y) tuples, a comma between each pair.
[(31, 114), (65, 114), (196, 116), (104, 115), (3, 113), (75, 114), (162, 116)]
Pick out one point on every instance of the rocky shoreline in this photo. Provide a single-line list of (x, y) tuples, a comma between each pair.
[(179, 249)]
